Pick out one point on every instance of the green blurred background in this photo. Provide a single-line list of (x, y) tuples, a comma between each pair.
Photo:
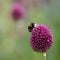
[(14, 36)]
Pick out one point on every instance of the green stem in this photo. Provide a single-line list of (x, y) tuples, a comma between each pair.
[(44, 54)]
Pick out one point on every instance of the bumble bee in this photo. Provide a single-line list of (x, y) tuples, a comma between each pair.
[(31, 26)]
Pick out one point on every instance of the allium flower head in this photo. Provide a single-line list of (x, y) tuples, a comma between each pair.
[(17, 11), (41, 38)]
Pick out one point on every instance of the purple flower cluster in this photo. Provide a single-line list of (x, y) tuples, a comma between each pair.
[(41, 38), (17, 11)]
